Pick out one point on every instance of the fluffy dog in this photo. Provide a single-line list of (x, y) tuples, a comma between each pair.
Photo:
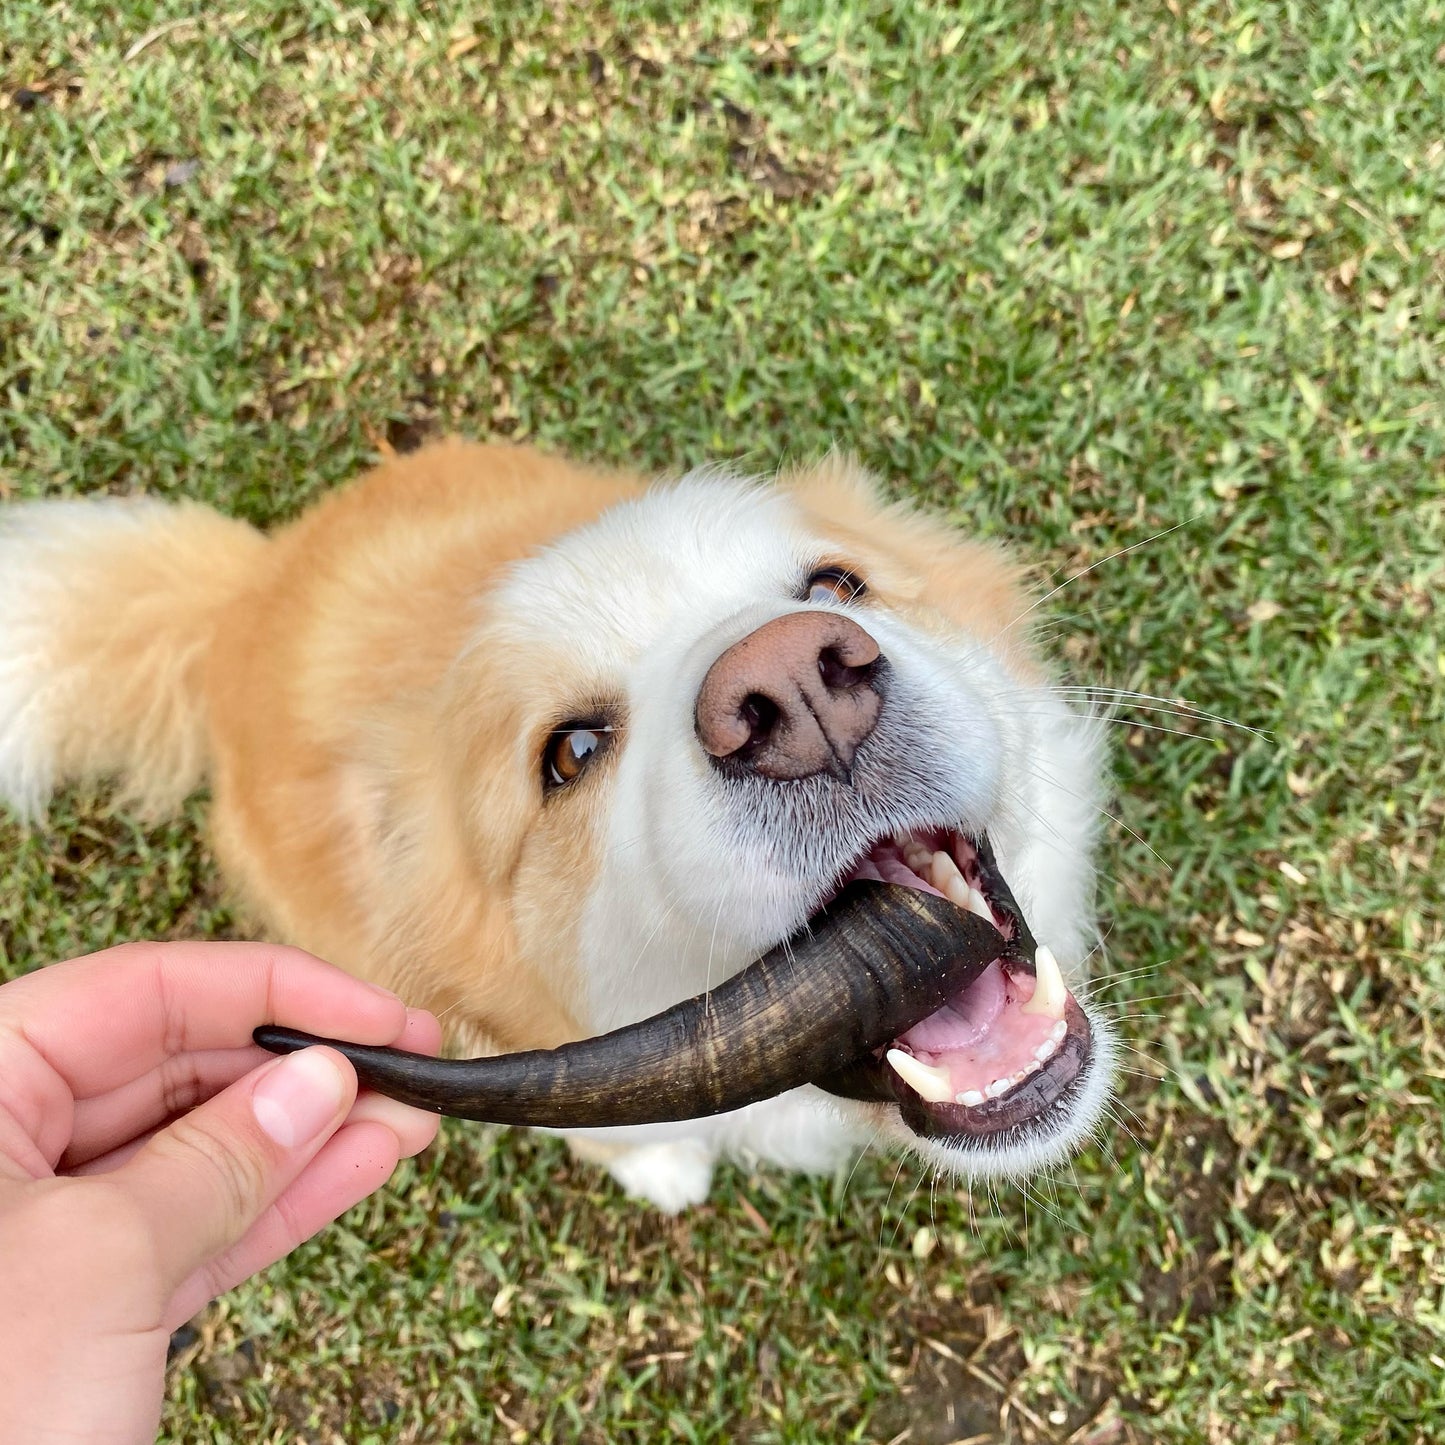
[(546, 749)]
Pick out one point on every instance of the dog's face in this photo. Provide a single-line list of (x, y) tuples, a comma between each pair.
[(680, 729)]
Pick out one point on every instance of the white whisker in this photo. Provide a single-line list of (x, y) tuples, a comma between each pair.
[(1093, 566), (1153, 702)]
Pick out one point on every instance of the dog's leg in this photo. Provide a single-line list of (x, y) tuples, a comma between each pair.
[(671, 1174), (802, 1130), (671, 1165)]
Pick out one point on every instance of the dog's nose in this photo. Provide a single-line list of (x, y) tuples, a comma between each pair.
[(794, 698)]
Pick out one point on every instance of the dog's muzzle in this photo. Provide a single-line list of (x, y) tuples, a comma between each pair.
[(917, 982)]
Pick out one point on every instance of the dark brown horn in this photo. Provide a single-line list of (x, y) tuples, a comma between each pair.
[(876, 961)]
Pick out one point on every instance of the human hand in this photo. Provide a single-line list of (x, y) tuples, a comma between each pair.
[(152, 1157)]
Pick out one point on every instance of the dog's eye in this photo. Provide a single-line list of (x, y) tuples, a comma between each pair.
[(569, 749), (835, 584)]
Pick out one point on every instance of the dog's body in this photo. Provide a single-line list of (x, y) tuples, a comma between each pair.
[(374, 693)]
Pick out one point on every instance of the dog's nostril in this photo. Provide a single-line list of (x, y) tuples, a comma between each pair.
[(760, 714), (794, 698), (839, 676)]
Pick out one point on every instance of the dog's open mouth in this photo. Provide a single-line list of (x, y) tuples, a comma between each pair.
[(1009, 1046), (917, 983)]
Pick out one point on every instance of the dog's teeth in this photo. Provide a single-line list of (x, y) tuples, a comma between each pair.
[(944, 875), (917, 856), (1050, 995), (1047, 1049), (971, 1097), (956, 893), (998, 1087), (978, 904), (943, 869), (1058, 1031), (925, 1080)]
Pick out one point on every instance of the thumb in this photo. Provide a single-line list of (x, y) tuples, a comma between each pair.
[(208, 1177)]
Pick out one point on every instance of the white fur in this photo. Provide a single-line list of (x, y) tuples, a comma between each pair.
[(670, 1175), (672, 1165), (691, 887)]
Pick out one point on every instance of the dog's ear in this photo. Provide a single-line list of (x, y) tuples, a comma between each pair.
[(921, 563)]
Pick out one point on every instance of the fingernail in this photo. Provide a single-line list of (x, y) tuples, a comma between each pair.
[(298, 1097)]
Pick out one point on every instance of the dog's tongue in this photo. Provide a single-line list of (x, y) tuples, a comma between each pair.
[(983, 1042), (965, 1021)]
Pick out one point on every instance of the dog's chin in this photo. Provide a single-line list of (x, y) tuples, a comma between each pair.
[(1013, 1073)]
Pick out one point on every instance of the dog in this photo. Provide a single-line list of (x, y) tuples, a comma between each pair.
[(547, 748)]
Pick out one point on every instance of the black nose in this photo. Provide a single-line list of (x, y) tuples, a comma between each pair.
[(795, 698)]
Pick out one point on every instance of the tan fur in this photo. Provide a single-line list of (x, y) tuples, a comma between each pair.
[(335, 666), (371, 689)]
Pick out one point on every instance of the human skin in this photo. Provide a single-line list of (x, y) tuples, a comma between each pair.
[(151, 1157)]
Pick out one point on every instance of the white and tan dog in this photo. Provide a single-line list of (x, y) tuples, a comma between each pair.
[(547, 749)]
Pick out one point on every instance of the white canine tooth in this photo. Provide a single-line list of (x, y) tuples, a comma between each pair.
[(978, 904), (1058, 1031), (925, 1080), (956, 891), (943, 868), (1047, 1049), (971, 1097), (918, 858), (1050, 995), (944, 875), (999, 1086)]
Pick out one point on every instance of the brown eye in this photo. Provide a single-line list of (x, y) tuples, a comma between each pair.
[(835, 584), (569, 749)]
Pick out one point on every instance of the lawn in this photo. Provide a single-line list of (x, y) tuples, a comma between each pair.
[(1076, 274)]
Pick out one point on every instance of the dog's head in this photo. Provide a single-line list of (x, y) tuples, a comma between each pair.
[(679, 729)]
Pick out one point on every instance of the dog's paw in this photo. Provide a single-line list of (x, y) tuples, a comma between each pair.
[(669, 1176), (800, 1130)]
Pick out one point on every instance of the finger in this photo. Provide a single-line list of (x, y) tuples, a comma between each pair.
[(109, 1121), (422, 1033), (104, 1020), (414, 1130), (176, 1085), (354, 1163), (204, 1181), (112, 1160)]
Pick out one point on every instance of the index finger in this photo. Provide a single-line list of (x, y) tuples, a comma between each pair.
[(102, 1021)]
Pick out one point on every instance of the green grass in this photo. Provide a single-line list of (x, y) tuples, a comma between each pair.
[(1076, 273)]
